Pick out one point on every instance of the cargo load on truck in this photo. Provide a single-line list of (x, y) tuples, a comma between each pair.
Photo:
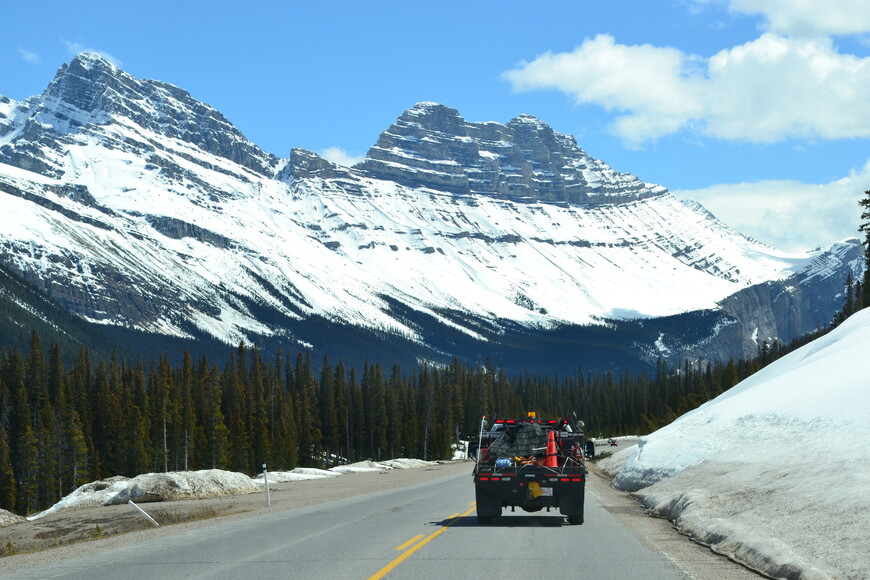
[(531, 463)]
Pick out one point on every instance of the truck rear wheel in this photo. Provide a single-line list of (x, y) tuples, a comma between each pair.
[(576, 520)]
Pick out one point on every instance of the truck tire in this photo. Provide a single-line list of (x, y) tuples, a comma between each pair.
[(576, 520)]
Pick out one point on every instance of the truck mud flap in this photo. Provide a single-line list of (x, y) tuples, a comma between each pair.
[(571, 505), (488, 506)]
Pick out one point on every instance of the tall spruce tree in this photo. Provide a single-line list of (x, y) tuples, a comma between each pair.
[(328, 412), (8, 491), (865, 227)]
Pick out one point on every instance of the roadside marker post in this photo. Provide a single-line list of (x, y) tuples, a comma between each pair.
[(266, 483), (130, 501)]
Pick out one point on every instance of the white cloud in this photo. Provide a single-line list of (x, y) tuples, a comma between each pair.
[(660, 85), (807, 17), (776, 87), (75, 48), (767, 90), (789, 215), (28, 56), (340, 157)]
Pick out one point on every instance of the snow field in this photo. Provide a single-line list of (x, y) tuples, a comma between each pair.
[(774, 472)]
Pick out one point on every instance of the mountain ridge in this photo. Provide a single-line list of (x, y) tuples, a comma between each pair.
[(475, 230)]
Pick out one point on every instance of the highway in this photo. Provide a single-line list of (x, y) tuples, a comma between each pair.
[(424, 531)]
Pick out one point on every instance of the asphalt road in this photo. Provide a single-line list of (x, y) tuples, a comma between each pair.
[(424, 531)]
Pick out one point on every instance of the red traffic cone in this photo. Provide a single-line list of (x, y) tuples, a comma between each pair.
[(551, 460)]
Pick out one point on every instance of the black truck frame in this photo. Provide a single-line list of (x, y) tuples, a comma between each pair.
[(532, 464)]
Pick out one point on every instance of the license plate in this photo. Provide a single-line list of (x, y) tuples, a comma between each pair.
[(547, 491)]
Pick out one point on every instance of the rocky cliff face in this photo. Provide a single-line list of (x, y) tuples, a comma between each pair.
[(805, 301), (304, 164), (432, 146), (91, 96)]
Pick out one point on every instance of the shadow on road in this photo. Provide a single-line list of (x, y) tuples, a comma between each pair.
[(554, 520)]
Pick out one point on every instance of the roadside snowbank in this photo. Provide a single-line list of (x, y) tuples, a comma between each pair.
[(151, 487), (363, 466), (774, 472), (7, 518)]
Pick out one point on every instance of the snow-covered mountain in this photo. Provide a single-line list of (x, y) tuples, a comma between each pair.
[(131, 203)]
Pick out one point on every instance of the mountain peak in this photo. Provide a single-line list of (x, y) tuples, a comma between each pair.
[(90, 92), (528, 120), (85, 82), (430, 145), (425, 107), (435, 117), (93, 60), (304, 164)]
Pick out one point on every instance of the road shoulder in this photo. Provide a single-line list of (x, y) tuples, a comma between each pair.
[(694, 560)]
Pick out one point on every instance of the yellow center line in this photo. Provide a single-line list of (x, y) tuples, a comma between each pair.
[(389, 567), (409, 542)]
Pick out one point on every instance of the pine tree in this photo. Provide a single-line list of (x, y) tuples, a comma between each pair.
[(849, 304), (187, 413), (427, 395), (213, 445), (235, 405), (258, 386), (342, 410), (329, 412), (77, 466), (36, 381), (394, 409), (8, 492), (140, 456), (375, 411), (28, 481), (56, 373), (865, 227), (80, 386), (357, 412), (308, 413)]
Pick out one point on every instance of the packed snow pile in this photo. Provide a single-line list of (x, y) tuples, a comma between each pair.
[(302, 473), (369, 465), (298, 474), (8, 518), (152, 487), (773, 473)]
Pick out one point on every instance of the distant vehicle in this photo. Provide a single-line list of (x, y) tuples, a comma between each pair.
[(531, 464), (613, 442)]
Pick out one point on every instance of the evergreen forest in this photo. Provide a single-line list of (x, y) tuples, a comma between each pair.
[(63, 425)]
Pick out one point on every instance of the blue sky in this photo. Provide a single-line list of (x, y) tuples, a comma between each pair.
[(760, 109)]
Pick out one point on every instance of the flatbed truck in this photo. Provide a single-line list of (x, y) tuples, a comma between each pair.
[(531, 463)]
